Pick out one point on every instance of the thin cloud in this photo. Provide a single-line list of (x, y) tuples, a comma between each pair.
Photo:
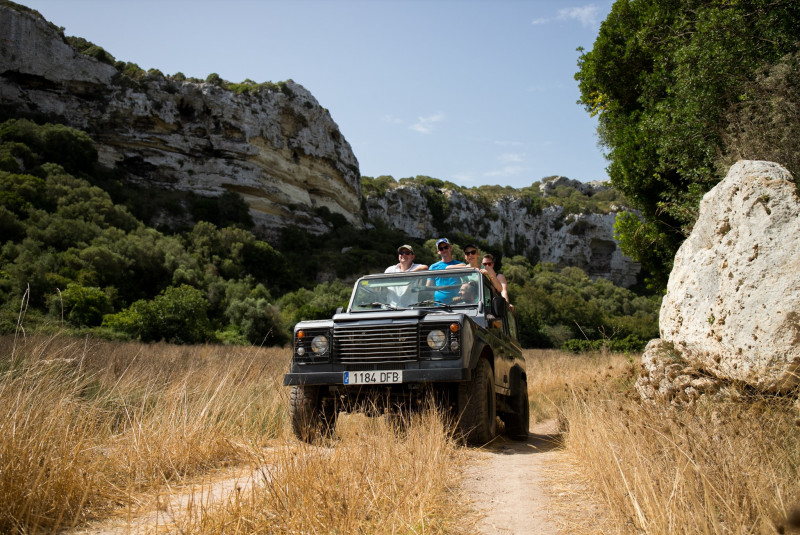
[(587, 15), (511, 158), (389, 118), (425, 125), (504, 143), (507, 171)]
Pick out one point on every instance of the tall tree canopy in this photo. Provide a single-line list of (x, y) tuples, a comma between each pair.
[(666, 78)]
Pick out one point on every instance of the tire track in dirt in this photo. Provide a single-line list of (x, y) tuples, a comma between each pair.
[(506, 483), (174, 502)]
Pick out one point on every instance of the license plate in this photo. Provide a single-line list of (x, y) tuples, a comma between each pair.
[(373, 377)]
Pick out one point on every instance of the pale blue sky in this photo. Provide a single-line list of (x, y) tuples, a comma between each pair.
[(475, 92)]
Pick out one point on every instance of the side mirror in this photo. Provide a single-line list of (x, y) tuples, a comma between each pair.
[(499, 306), (339, 310)]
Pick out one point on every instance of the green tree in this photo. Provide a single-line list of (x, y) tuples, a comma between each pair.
[(82, 305), (660, 77), (177, 315), (55, 143)]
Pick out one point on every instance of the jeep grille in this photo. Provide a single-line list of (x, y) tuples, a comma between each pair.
[(395, 343)]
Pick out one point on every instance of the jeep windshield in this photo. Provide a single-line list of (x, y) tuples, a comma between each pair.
[(421, 289)]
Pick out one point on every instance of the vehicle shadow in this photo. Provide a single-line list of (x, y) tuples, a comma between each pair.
[(543, 437)]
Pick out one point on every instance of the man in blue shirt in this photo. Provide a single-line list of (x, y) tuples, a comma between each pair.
[(445, 250)]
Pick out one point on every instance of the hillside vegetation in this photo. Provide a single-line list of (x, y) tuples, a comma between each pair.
[(683, 89), (77, 253)]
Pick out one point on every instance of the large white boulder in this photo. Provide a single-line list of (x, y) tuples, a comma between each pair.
[(732, 307)]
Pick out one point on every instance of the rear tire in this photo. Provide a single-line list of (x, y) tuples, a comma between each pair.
[(311, 419), (477, 406), (517, 424)]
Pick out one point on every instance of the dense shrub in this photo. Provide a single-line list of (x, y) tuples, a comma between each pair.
[(258, 320), (82, 305), (90, 49), (319, 303), (565, 308), (177, 315), (376, 187), (54, 143)]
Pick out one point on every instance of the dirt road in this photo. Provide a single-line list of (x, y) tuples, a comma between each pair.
[(506, 481)]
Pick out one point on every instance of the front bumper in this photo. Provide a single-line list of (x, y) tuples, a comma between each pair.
[(410, 376)]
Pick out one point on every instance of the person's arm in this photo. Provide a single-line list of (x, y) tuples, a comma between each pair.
[(455, 266), (504, 285), (489, 271), (420, 267)]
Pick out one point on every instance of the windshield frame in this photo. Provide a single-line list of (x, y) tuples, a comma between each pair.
[(371, 293)]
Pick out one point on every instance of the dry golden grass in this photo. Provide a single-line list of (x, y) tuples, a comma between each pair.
[(714, 467), (373, 478), (553, 376), (86, 425)]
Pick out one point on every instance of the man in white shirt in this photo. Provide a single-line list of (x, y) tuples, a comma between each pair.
[(405, 253), (399, 296)]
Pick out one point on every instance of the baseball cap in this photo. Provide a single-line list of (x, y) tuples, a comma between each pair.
[(442, 240), (470, 245), (407, 247)]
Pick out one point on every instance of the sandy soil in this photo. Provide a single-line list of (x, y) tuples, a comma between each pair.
[(159, 513), (506, 483)]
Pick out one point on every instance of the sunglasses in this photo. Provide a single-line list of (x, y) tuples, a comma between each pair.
[(444, 247), (470, 252), (487, 264), (404, 253)]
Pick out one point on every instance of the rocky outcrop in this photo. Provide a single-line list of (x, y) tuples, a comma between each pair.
[(732, 302), (666, 377), (549, 235), (275, 145), (551, 183)]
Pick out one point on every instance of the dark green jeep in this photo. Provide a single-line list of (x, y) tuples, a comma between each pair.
[(405, 336)]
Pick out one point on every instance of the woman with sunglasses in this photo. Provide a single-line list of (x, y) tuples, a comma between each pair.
[(497, 278), (472, 259)]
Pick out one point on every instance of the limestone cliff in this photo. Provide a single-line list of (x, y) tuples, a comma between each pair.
[(276, 145), (584, 240)]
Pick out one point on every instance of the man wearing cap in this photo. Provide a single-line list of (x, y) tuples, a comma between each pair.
[(405, 253), (445, 250)]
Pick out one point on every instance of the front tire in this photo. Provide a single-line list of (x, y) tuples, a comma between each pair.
[(477, 406), (311, 420), (517, 424)]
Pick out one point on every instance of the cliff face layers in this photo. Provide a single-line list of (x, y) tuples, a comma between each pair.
[(581, 240), (276, 146)]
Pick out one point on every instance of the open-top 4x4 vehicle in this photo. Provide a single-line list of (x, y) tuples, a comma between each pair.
[(403, 337)]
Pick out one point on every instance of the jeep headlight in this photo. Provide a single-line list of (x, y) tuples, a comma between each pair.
[(319, 345), (436, 339)]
